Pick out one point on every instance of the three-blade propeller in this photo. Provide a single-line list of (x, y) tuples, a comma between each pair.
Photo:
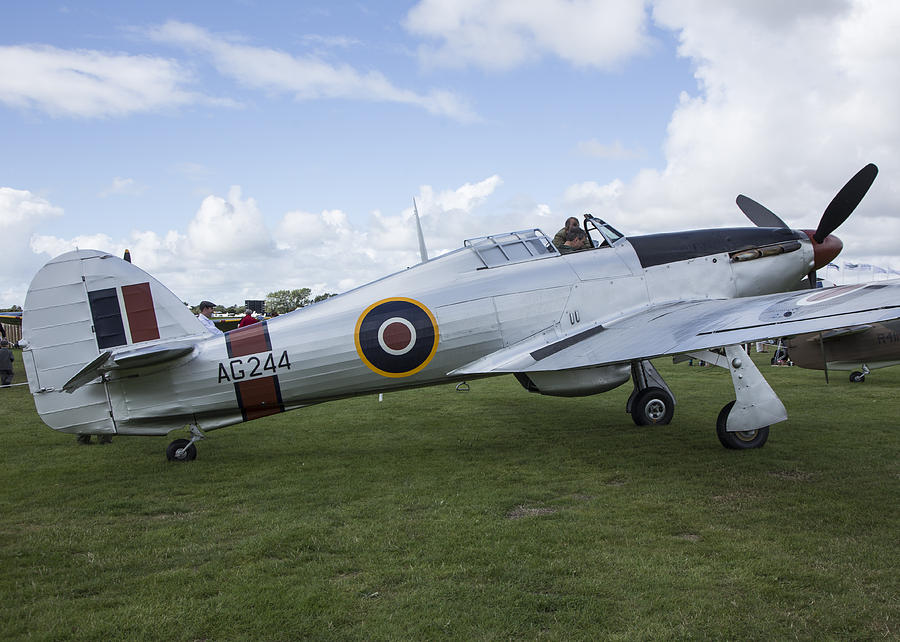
[(840, 208), (760, 215), (845, 202)]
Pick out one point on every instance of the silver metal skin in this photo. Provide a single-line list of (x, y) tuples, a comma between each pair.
[(573, 324)]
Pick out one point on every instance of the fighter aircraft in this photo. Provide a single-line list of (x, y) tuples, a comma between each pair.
[(859, 349), (111, 350)]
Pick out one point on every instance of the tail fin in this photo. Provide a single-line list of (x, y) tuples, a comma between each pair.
[(80, 305)]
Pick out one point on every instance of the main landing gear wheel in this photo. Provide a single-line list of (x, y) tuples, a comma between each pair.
[(743, 439), (652, 406), (188, 451), (857, 377)]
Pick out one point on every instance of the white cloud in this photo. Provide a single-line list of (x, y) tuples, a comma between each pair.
[(786, 115), (21, 209), (123, 186), (90, 84), (305, 77), (229, 252), (21, 214), (54, 246), (228, 226), (446, 216), (303, 230), (501, 34), (592, 197)]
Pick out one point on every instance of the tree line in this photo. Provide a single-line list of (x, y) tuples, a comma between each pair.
[(277, 302)]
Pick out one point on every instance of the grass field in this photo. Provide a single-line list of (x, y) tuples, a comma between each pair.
[(492, 514)]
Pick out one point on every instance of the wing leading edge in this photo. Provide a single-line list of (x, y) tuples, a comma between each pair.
[(696, 325)]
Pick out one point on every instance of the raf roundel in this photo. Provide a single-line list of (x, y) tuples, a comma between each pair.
[(396, 337)]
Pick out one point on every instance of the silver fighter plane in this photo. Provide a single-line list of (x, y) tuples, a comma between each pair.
[(110, 350)]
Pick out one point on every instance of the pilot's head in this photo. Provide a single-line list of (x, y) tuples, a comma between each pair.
[(571, 222), (575, 237)]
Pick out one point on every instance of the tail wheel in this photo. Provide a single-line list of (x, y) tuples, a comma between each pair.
[(857, 377), (742, 439), (652, 406), (188, 451)]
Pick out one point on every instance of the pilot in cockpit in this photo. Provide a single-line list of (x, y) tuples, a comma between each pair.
[(575, 241), (560, 237)]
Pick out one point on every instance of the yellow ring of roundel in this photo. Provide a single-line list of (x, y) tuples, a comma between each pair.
[(395, 374)]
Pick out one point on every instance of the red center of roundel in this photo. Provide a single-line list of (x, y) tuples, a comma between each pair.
[(397, 336)]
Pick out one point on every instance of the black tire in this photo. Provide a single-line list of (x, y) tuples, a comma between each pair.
[(741, 440), (857, 377), (652, 406), (173, 448)]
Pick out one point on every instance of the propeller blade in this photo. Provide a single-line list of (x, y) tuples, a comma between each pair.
[(759, 215), (812, 279), (845, 202)]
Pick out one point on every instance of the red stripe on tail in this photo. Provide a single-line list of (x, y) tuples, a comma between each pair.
[(140, 312)]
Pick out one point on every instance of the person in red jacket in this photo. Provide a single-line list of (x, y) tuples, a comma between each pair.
[(248, 319)]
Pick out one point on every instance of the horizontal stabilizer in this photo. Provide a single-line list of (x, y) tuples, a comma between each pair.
[(87, 374), (152, 355), (139, 358)]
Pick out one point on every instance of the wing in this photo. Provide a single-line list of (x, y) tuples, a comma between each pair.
[(696, 325)]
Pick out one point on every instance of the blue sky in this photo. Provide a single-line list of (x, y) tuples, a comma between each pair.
[(242, 147)]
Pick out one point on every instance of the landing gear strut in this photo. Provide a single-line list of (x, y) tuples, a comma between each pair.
[(651, 402), (744, 423), (184, 449)]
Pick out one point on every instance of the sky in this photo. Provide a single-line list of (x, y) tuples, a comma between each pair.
[(239, 147)]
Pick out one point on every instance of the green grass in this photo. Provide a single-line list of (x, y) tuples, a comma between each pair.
[(492, 514)]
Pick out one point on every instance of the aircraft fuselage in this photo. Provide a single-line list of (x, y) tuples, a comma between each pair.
[(414, 327)]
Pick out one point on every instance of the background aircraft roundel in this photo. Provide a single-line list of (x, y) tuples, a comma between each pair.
[(396, 337)]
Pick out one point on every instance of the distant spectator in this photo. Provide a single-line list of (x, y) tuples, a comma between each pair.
[(248, 319), (85, 440), (206, 310), (6, 361)]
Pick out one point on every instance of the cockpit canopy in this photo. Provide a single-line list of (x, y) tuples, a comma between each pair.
[(600, 232), (527, 245), (512, 247)]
